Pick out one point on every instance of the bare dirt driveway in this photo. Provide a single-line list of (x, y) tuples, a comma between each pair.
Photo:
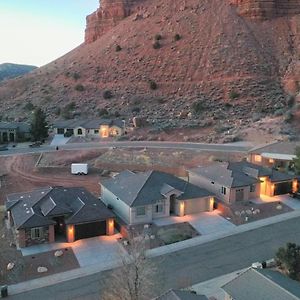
[(21, 175)]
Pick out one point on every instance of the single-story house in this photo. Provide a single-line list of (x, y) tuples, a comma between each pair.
[(256, 284), (90, 128), (57, 213), (141, 197), (242, 181), (14, 132), (180, 295), (277, 155)]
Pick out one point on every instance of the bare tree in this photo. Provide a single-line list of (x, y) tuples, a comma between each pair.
[(135, 279)]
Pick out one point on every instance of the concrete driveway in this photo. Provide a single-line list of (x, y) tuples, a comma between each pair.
[(104, 250), (204, 223), (293, 203)]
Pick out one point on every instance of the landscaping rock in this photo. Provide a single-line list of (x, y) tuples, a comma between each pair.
[(58, 253), (10, 266), (42, 269)]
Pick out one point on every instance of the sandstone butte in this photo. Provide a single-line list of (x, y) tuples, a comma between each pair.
[(235, 57)]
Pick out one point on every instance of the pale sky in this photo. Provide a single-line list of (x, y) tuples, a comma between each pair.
[(35, 32)]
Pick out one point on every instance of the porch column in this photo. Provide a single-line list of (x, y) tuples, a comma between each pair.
[(211, 203), (70, 233), (295, 185), (51, 238), (181, 208), (21, 238), (110, 226)]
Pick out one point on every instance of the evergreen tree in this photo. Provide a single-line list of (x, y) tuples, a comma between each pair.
[(39, 126), (296, 161)]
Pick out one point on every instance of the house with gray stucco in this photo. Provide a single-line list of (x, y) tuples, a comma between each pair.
[(256, 284), (141, 197), (14, 132), (242, 181)]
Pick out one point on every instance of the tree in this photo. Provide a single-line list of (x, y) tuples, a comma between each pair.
[(39, 126), (296, 161), (288, 259), (134, 280)]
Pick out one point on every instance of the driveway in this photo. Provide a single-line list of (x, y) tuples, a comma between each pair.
[(205, 222), (293, 203), (101, 250), (59, 140)]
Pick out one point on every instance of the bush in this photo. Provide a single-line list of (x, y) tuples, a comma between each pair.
[(290, 101), (136, 109), (158, 37), (57, 111), (76, 76), (107, 94), (234, 95), (156, 45), (117, 114), (289, 116), (102, 112), (177, 37), (118, 48), (29, 106), (79, 87), (197, 107), (153, 85)]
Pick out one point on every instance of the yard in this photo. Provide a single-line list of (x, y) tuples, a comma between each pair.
[(25, 268)]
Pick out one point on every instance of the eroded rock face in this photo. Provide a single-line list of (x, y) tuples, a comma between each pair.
[(108, 15), (267, 9)]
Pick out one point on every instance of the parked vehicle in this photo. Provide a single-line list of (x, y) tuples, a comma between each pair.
[(295, 195), (3, 148), (35, 144), (79, 169)]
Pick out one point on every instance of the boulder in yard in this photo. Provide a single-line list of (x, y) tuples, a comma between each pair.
[(58, 253), (42, 269), (10, 266)]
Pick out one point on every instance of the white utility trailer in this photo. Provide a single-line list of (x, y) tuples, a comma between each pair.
[(79, 169)]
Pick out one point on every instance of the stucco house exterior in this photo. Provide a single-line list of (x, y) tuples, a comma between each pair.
[(242, 181), (103, 128), (47, 214), (256, 284), (14, 132), (277, 155), (141, 197)]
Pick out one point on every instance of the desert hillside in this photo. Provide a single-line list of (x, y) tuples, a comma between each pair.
[(8, 70), (177, 63)]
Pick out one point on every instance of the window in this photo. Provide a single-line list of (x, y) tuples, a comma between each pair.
[(79, 131), (141, 211), (223, 191), (252, 188), (96, 131), (36, 233), (159, 208), (257, 158)]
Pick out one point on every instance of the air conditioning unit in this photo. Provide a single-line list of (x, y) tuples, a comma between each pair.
[(146, 226)]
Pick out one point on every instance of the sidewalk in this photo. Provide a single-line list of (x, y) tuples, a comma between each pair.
[(80, 272)]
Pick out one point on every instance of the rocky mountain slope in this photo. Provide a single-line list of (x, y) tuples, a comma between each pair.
[(209, 63), (8, 71)]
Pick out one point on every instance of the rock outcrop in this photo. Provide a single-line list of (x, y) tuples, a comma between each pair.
[(267, 9), (108, 15)]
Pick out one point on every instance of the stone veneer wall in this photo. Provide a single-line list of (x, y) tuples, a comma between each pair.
[(42, 240)]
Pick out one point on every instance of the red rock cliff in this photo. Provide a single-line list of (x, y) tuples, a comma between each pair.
[(108, 15), (267, 9)]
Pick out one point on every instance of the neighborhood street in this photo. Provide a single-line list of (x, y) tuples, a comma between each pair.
[(129, 144), (189, 266)]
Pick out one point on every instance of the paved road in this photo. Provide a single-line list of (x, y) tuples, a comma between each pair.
[(189, 266), (142, 144)]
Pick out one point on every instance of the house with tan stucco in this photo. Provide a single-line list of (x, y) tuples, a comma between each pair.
[(141, 197), (242, 181)]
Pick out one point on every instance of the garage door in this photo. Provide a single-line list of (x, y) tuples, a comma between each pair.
[(196, 206), (88, 230), (282, 188)]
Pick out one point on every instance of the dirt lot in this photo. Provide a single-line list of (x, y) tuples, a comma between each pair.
[(26, 267), (241, 213)]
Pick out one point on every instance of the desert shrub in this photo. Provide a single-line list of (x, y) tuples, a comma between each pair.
[(177, 37), (156, 45), (57, 111), (279, 112), (102, 112), (161, 100), (228, 105), (76, 76), (158, 37), (234, 95), (107, 94), (29, 106), (79, 87), (289, 116), (197, 107), (117, 114), (118, 48), (136, 109), (153, 85), (290, 100)]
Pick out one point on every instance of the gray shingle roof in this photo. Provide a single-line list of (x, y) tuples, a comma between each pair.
[(138, 189), (37, 208), (20, 126), (277, 147), (180, 295), (87, 124), (255, 284)]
